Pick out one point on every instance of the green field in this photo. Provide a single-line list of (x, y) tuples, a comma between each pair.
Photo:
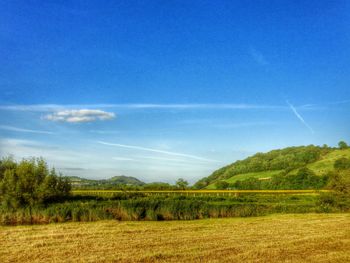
[(257, 175), (326, 163), (275, 238)]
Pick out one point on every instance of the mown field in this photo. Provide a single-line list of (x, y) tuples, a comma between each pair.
[(274, 238)]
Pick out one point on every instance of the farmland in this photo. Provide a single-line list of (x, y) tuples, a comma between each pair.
[(194, 193), (274, 238)]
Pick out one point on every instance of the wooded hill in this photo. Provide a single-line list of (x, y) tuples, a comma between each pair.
[(78, 182), (302, 167)]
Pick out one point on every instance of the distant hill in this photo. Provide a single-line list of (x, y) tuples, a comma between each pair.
[(79, 182), (127, 180), (286, 162)]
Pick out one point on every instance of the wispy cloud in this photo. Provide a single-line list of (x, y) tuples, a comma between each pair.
[(157, 151), (339, 102), (258, 57), (72, 168), (156, 158), (17, 129), (105, 132), (78, 116), (160, 106), (226, 124), (123, 159), (300, 117), (186, 106)]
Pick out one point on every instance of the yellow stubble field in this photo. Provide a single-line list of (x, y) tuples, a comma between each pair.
[(275, 238)]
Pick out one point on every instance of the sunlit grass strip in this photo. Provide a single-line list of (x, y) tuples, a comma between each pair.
[(209, 192)]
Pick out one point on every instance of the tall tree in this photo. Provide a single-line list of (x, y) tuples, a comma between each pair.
[(343, 145), (181, 184)]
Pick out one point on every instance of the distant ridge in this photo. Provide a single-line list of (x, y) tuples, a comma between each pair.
[(115, 180)]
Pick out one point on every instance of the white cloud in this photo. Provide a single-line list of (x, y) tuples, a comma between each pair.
[(81, 115)]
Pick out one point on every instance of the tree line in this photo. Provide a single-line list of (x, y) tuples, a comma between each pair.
[(29, 183)]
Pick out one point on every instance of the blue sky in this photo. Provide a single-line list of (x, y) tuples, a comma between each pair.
[(162, 90)]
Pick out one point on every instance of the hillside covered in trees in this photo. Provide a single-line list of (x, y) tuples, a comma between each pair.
[(111, 183), (302, 167)]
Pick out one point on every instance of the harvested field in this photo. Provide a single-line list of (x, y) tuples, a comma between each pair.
[(276, 238)]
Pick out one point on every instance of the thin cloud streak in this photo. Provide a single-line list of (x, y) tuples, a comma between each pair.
[(300, 117), (56, 107), (168, 159), (123, 159), (156, 150), (16, 129)]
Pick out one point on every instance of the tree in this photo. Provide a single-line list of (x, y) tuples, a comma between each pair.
[(340, 182), (30, 183), (221, 185), (204, 182), (342, 164), (342, 145), (181, 184)]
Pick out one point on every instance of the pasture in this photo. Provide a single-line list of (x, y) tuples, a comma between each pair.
[(274, 238)]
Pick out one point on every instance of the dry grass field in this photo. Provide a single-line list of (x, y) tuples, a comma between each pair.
[(277, 238)]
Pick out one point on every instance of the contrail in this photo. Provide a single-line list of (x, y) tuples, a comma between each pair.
[(12, 128), (157, 151), (299, 117)]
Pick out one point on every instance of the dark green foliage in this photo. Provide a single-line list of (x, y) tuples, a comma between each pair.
[(127, 180), (339, 198), (135, 207), (342, 164), (343, 145), (221, 185), (29, 182), (202, 183), (304, 179), (339, 182), (285, 159), (115, 183), (181, 184)]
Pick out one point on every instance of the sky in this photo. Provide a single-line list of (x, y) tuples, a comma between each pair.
[(166, 89)]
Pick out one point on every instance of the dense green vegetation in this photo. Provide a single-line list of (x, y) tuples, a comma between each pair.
[(138, 207), (304, 167), (303, 179), (31, 193), (126, 183), (29, 183)]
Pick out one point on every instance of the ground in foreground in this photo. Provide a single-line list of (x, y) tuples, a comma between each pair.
[(276, 238)]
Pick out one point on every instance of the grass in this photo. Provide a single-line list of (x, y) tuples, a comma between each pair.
[(327, 162), (320, 167), (257, 175), (277, 238)]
